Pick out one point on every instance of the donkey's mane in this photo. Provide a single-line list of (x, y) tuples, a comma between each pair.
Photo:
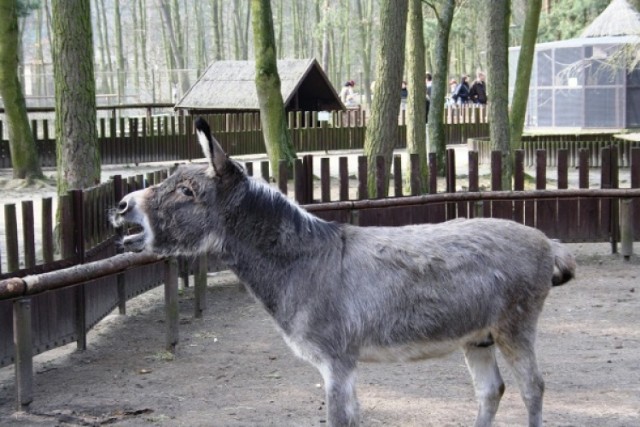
[(268, 203)]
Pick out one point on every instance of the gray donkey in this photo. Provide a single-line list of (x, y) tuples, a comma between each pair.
[(340, 294)]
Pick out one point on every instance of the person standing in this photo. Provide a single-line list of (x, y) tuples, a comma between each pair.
[(461, 94), (478, 91), (428, 80), (347, 94)]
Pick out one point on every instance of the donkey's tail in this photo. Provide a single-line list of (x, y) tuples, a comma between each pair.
[(564, 264)]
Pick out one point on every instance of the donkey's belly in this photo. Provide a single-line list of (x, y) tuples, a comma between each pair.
[(417, 350), (408, 352)]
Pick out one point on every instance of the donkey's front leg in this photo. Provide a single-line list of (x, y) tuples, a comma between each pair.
[(340, 388)]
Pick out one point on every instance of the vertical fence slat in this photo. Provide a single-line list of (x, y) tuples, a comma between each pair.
[(363, 189), (381, 177), (325, 180), (397, 176), (22, 339), (343, 166), (11, 230), (28, 234)]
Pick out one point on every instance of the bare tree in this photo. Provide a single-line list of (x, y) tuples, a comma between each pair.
[(498, 84), (168, 14), (24, 155), (272, 114), (121, 76), (218, 28), (416, 100), (444, 11), (382, 131), (364, 10), (523, 74), (76, 135)]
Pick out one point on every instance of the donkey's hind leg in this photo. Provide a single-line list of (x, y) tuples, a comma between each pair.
[(519, 351), (340, 388), (488, 384)]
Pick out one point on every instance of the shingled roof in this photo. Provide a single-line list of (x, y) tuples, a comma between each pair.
[(230, 86), (618, 19)]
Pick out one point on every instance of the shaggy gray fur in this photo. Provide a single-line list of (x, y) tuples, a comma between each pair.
[(341, 293)]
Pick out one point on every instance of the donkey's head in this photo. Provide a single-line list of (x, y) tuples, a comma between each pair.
[(184, 213)]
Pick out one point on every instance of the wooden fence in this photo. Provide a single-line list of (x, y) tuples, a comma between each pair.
[(573, 214), (144, 139), (574, 144), (62, 315)]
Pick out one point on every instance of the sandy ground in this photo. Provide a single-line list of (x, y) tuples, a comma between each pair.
[(232, 368)]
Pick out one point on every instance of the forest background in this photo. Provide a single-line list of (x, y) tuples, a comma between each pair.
[(154, 50)]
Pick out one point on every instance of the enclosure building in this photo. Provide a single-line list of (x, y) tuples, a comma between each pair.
[(588, 82), (229, 87)]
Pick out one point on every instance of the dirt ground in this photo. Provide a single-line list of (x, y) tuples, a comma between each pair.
[(232, 368)]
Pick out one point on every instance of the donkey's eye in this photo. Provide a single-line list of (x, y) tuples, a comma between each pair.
[(186, 191)]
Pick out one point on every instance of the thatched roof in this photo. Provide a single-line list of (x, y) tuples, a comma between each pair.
[(618, 19), (230, 86)]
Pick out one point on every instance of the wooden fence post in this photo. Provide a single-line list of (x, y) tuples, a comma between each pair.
[(626, 228), (382, 185), (120, 280), (363, 189), (11, 224), (283, 176), (23, 352), (298, 182), (325, 180), (171, 303), (200, 287), (343, 166), (77, 201)]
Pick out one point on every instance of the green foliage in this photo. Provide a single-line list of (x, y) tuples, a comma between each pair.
[(567, 19)]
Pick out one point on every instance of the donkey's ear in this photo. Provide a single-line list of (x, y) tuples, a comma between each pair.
[(210, 147)]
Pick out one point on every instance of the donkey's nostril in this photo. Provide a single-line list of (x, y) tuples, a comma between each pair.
[(123, 206)]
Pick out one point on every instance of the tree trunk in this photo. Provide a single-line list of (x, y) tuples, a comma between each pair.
[(523, 74), (325, 36), (175, 53), (382, 131), (105, 43), (121, 75), (24, 155), (440, 85), (78, 156), (498, 84), (365, 17), (272, 114), (416, 101), (216, 7)]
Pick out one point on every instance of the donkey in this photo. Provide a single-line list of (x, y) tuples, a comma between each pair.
[(340, 293)]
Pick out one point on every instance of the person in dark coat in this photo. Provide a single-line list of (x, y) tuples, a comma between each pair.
[(461, 94), (478, 91), (427, 80)]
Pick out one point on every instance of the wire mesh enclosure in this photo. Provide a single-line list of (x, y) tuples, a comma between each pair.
[(583, 83)]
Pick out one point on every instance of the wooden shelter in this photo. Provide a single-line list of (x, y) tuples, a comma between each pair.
[(229, 87)]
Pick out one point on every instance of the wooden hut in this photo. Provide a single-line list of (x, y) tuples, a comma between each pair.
[(229, 87)]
